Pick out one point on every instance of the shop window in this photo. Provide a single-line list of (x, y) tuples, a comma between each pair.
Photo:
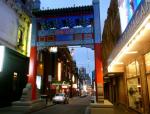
[(133, 69), (134, 94), (134, 86), (147, 62), (20, 38), (137, 68)]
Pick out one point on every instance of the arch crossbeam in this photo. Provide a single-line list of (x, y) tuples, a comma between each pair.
[(73, 26)]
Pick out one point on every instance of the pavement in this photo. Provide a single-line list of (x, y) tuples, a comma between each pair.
[(117, 109), (8, 110)]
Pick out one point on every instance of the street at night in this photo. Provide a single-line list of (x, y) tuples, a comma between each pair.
[(77, 105), (74, 56)]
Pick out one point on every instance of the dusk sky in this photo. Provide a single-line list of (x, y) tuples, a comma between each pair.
[(83, 56)]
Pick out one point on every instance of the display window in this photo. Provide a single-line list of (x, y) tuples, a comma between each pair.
[(134, 86), (147, 62), (133, 69), (134, 93)]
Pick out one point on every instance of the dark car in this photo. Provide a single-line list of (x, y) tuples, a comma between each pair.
[(61, 98)]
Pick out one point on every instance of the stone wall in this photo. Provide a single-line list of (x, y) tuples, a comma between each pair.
[(111, 34), (111, 31), (8, 25)]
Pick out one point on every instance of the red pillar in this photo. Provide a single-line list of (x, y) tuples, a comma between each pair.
[(99, 72), (33, 70)]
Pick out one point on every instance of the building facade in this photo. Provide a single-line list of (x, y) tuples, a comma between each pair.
[(127, 70), (111, 33), (57, 71), (15, 31)]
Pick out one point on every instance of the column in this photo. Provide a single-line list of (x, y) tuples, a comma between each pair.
[(98, 53), (33, 60), (99, 73)]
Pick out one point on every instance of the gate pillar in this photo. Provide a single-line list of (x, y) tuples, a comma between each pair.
[(98, 53), (99, 73), (33, 60)]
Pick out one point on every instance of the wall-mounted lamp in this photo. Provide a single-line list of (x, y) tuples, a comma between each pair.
[(53, 49), (2, 54), (59, 71), (73, 78)]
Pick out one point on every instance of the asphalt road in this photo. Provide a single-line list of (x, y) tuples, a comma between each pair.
[(76, 105)]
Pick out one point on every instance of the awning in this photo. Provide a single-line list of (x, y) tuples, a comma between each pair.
[(134, 40)]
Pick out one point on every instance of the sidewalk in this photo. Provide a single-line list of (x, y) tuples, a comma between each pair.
[(9, 110), (114, 110)]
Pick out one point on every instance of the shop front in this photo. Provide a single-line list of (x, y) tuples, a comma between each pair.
[(134, 90), (131, 56), (147, 69)]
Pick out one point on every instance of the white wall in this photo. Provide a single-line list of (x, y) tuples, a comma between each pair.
[(8, 25)]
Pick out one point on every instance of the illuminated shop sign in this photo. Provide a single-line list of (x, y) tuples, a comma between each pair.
[(126, 9)]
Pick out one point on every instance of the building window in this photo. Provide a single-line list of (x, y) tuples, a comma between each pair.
[(20, 38), (134, 86), (133, 69), (134, 93), (147, 62)]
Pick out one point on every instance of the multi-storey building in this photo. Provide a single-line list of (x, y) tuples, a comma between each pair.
[(57, 70), (127, 60), (15, 39), (15, 30)]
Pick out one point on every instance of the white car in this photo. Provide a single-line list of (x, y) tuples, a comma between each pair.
[(60, 98)]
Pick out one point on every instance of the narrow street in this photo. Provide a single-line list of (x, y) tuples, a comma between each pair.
[(76, 105)]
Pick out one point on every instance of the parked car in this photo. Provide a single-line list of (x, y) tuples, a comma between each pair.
[(60, 98)]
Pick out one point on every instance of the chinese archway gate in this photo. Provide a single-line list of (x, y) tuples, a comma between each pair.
[(68, 26)]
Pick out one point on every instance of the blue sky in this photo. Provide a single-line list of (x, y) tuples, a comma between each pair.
[(64, 3), (83, 56)]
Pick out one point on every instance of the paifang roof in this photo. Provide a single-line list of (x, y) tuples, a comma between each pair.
[(81, 10)]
